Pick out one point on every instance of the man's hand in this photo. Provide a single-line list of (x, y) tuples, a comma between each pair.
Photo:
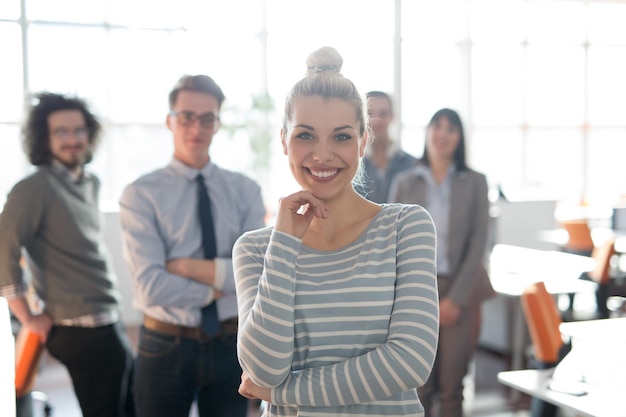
[(40, 324), (201, 270), (449, 312)]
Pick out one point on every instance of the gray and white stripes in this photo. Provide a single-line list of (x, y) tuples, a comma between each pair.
[(348, 332)]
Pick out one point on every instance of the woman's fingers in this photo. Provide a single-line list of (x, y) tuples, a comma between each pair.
[(302, 202), (296, 212)]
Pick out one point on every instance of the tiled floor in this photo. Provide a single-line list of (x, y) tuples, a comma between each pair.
[(484, 395)]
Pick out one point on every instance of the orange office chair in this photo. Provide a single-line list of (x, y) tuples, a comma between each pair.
[(601, 275), (543, 320), (602, 255), (579, 237)]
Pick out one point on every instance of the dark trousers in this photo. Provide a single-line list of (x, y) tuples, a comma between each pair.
[(99, 361), (172, 371)]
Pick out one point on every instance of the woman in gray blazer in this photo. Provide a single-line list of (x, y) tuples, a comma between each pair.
[(456, 198)]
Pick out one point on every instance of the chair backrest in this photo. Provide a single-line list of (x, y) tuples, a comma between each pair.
[(543, 320), (28, 349), (579, 235), (602, 255)]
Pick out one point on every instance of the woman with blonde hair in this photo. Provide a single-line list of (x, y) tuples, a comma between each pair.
[(338, 309)]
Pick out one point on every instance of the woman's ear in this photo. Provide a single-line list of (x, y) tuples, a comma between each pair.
[(283, 141), (363, 144)]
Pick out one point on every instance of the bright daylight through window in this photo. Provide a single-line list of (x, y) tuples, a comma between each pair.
[(543, 107)]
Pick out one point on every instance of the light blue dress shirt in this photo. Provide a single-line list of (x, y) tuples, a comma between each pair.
[(160, 222), (438, 205)]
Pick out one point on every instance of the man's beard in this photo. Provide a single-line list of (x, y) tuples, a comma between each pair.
[(74, 161)]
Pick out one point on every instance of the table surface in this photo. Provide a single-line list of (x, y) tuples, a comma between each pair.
[(604, 398), (513, 268), (601, 331), (596, 365), (598, 235)]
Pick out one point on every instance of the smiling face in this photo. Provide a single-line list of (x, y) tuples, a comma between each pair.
[(69, 137), (192, 140), (442, 139), (380, 116), (323, 144)]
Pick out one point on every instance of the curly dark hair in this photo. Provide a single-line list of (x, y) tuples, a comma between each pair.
[(35, 132)]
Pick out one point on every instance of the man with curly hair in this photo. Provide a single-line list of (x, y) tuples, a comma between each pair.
[(52, 217)]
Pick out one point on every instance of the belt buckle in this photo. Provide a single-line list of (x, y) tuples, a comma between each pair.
[(203, 337)]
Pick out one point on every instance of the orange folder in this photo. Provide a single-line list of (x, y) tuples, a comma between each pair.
[(28, 349)]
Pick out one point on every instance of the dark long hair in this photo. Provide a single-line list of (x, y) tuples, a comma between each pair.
[(459, 153), (36, 134)]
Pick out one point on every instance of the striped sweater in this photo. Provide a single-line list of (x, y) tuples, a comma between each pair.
[(349, 332)]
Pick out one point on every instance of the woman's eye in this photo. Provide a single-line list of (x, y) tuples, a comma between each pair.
[(343, 137), (304, 136)]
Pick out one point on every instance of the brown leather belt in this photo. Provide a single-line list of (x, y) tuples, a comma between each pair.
[(227, 328)]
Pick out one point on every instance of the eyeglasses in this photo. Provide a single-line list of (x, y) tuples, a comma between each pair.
[(64, 133), (188, 118)]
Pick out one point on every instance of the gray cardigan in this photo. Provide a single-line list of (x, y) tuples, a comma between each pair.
[(469, 217), (57, 222)]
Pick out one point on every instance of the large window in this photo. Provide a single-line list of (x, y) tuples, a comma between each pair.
[(538, 83)]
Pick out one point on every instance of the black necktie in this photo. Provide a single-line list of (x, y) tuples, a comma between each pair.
[(210, 322)]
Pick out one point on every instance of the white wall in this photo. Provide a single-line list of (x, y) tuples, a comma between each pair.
[(514, 223), (519, 222), (113, 239)]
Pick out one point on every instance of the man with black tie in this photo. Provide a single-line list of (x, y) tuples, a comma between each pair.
[(179, 225)]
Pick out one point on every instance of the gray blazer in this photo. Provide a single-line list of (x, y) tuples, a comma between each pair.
[(469, 216)]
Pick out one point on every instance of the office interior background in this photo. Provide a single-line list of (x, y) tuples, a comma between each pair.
[(539, 84)]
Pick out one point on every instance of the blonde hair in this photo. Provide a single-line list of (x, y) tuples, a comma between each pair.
[(323, 78)]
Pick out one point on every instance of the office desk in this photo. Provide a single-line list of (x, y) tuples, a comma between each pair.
[(513, 268), (602, 399), (601, 331), (598, 234), (596, 365)]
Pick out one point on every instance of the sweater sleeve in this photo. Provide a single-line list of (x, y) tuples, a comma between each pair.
[(19, 222), (265, 296), (146, 255), (402, 363)]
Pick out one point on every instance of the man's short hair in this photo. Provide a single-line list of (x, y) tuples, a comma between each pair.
[(199, 83)]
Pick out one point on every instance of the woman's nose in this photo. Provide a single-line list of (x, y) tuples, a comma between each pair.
[(323, 151)]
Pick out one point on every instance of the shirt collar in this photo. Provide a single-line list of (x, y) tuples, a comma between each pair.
[(191, 173), (422, 170)]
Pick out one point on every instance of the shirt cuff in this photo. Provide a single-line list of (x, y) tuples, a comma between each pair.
[(219, 276), (12, 291)]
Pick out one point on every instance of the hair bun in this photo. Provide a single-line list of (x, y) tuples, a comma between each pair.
[(324, 59)]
